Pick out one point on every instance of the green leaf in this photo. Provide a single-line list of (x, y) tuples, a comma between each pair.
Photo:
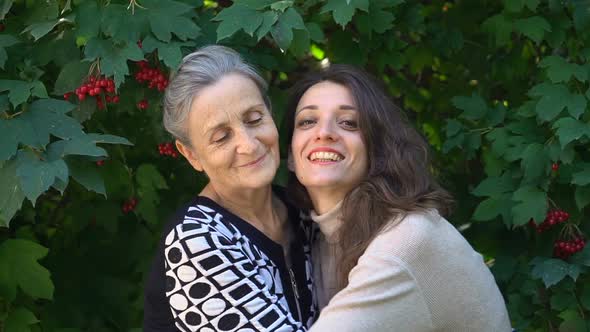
[(585, 298), (582, 197), (86, 175), (582, 257), (531, 204), (20, 91), (123, 27), (315, 32), (554, 98), (552, 270), (572, 322), (269, 18), (88, 19), (37, 175), (19, 267), (5, 7), (6, 41), (582, 178), (563, 300), (40, 29), (71, 77), (235, 18), (474, 107), (47, 117), (533, 27), (19, 320), (113, 57), (534, 161), (500, 138), (11, 194), (170, 53), (166, 18), (516, 6), (282, 31), (257, 4), (149, 181), (569, 130), (300, 44), (559, 70), (494, 186), (500, 26), (281, 5), (491, 208), (343, 11)]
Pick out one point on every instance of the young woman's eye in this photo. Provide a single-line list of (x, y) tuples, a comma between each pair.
[(349, 124), (305, 123)]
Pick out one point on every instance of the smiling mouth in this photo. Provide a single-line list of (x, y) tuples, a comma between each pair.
[(324, 156), (255, 162)]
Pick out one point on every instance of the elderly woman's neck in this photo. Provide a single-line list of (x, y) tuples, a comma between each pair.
[(251, 205)]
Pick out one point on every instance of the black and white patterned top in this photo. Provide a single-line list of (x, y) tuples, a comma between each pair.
[(216, 272)]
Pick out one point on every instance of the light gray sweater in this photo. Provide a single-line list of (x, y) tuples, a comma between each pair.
[(417, 275)]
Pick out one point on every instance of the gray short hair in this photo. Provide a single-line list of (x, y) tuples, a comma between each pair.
[(197, 71)]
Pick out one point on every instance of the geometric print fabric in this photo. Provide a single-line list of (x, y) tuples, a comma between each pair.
[(217, 280)]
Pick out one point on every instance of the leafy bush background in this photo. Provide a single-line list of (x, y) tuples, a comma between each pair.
[(500, 88)]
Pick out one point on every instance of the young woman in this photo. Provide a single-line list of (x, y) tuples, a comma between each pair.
[(384, 257), (233, 258)]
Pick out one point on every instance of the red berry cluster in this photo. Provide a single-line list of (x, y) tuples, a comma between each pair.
[(564, 249), (153, 76), (94, 87), (552, 218), (99, 162), (129, 205), (167, 149), (143, 104)]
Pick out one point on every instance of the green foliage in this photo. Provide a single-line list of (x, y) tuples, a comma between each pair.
[(500, 89)]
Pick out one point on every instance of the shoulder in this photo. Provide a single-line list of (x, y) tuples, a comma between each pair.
[(413, 228)]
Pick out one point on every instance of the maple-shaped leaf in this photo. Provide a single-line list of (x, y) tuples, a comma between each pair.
[(559, 70), (19, 268), (343, 11), (113, 57)]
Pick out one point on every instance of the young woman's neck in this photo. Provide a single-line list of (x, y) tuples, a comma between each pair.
[(324, 200)]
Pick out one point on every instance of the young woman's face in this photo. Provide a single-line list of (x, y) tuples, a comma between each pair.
[(233, 136), (327, 147)]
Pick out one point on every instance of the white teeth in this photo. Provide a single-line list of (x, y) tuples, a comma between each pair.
[(325, 156)]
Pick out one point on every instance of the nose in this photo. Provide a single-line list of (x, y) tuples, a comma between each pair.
[(247, 143), (326, 131)]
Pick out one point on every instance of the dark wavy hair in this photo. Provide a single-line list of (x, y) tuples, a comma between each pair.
[(399, 178)]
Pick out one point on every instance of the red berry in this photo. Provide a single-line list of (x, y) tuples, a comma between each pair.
[(81, 96), (555, 167), (100, 162), (67, 95)]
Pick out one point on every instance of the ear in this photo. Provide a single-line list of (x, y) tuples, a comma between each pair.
[(290, 161), (189, 155)]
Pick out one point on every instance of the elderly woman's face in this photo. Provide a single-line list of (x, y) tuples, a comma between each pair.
[(234, 138)]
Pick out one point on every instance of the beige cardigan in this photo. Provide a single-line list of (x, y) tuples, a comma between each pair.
[(418, 275)]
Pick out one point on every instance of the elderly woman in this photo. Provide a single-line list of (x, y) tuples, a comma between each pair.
[(384, 258), (233, 258)]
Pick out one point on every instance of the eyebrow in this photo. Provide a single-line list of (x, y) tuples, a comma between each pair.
[(344, 107), (224, 123)]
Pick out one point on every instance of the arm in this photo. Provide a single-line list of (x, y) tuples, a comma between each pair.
[(382, 295), (213, 283)]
